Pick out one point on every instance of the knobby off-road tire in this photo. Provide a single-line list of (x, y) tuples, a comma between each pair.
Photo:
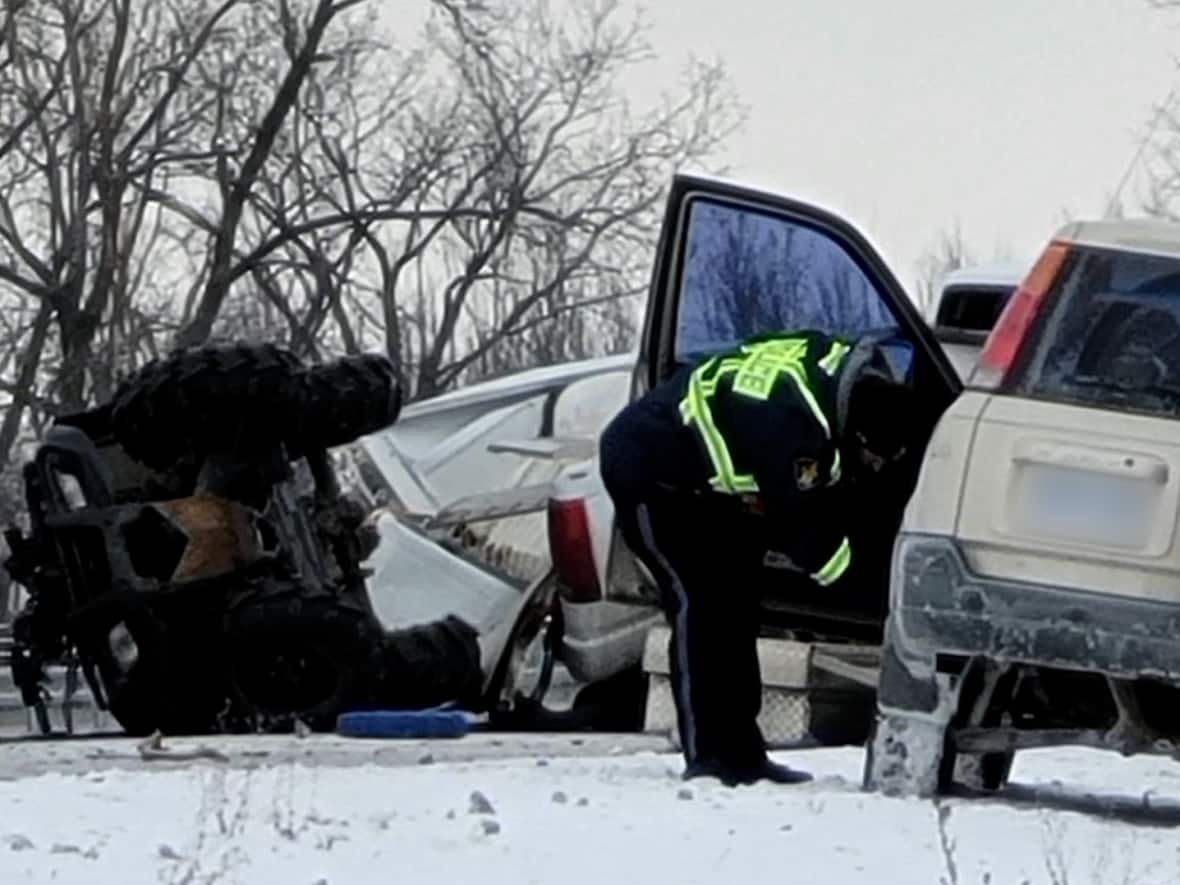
[(174, 686), (200, 400), (249, 398), (334, 403), (292, 657)]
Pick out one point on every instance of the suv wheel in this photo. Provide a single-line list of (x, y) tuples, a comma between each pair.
[(984, 693)]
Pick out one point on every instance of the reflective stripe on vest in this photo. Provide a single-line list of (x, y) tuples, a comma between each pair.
[(694, 409), (834, 357), (756, 371), (836, 566)]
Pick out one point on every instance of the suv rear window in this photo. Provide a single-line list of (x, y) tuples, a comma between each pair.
[(1110, 336)]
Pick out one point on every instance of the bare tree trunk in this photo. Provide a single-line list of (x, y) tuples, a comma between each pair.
[(29, 364), (221, 271)]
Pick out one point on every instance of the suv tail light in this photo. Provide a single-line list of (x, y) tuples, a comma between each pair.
[(572, 550), (1003, 346)]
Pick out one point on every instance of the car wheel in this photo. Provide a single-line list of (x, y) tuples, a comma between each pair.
[(521, 678), (616, 703)]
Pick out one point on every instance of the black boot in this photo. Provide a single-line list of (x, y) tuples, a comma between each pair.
[(735, 775)]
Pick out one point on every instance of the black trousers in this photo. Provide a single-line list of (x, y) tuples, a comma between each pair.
[(650, 466)]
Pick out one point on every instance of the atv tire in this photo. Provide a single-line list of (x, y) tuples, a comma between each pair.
[(334, 403), (312, 659), (292, 657), (173, 687), (202, 399), (247, 399)]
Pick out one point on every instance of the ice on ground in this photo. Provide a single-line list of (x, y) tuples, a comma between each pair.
[(1077, 817)]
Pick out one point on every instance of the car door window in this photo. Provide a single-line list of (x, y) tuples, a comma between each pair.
[(744, 271)]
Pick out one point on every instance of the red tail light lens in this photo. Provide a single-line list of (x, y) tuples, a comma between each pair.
[(1006, 340), (572, 550)]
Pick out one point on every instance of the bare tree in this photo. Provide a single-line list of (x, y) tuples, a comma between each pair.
[(949, 252), (1160, 162), (470, 201), (542, 184), (497, 186), (111, 109), (236, 185)]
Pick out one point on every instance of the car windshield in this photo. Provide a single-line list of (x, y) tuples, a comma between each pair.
[(1111, 336)]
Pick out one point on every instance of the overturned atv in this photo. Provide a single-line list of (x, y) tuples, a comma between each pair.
[(191, 553)]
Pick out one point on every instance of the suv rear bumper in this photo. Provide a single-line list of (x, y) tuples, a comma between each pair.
[(940, 607)]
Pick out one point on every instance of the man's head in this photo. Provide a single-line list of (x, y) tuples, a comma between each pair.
[(881, 423)]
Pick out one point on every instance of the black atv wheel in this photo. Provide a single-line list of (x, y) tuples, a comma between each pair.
[(312, 659), (334, 403), (174, 686), (294, 658), (203, 399), (248, 398)]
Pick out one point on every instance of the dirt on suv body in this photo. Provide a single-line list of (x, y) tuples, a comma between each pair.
[(1035, 593)]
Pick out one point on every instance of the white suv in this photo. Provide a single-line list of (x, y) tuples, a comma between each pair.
[(1035, 595)]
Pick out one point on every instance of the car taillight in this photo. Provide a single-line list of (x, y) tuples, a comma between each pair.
[(1003, 346), (572, 550)]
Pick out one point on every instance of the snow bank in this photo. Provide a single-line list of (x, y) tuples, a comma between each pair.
[(587, 820)]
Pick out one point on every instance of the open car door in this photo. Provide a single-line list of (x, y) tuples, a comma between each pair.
[(734, 262)]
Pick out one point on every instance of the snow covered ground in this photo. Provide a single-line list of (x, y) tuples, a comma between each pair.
[(1076, 817)]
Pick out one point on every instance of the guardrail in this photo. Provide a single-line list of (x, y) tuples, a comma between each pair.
[(5, 643)]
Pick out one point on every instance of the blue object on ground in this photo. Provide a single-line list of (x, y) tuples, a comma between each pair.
[(435, 723)]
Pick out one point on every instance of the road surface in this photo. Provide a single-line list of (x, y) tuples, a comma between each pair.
[(558, 808)]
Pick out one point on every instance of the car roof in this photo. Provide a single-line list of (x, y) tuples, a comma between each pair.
[(519, 383), (998, 274), (1149, 235)]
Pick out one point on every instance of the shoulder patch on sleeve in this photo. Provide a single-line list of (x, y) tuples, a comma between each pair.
[(806, 473)]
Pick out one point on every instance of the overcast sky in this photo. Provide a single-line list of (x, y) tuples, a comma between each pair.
[(907, 115)]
